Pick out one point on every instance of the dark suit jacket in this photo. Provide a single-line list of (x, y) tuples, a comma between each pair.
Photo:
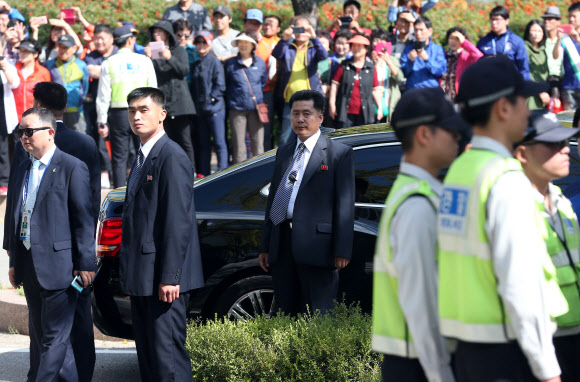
[(160, 242), (61, 226), (78, 145), (323, 216)]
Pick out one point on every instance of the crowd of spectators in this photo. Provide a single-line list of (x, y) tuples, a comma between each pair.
[(216, 79)]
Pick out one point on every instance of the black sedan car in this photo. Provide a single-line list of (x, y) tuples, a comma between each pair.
[(230, 207)]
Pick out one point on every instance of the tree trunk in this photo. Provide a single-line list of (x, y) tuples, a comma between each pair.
[(308, 9)]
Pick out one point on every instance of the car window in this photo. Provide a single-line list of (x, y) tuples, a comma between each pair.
[(376, 168)]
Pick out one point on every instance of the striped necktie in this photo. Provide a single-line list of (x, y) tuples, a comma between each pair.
[(279, 208)]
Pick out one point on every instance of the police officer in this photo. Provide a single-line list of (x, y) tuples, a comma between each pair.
[(405, 316), (544, 154), (120, 74), (493, 295)]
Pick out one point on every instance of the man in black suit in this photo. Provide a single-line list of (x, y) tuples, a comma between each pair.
[(309, 223), (160, 260), (51, 192), (53, 97)]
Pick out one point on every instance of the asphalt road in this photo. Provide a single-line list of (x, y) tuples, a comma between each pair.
[(115, 365)]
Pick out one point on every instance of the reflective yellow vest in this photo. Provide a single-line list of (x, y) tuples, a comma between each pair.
[(390, 332), (470, 307), (566, 262), (128, 71)]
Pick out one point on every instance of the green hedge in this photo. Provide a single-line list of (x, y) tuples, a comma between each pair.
[(335, 347)]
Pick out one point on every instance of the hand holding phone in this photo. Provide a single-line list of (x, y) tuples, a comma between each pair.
[(38, 20), (69, 16), (156, 48), (298, 30), (565, 28), (384, 47)]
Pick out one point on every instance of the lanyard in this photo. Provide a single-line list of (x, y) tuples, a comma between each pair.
[(28, 177), (507, 36)]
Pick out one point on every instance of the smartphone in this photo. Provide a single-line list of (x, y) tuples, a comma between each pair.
[(345, 21), (419, 45), (77, 282), (69, 16), (384, 47), (298, 30), (1, 57), (566, 28), (39, 20)]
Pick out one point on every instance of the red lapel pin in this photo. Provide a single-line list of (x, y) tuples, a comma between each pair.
[(324, 167), (149, 178)]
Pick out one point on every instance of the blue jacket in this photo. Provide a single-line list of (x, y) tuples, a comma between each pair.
[(208, 85), (570, 80), (285, 52), (74, 76), (239, 96), (515, 49), (421, 73)]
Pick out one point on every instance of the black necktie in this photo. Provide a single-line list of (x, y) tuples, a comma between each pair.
[(136, 169)]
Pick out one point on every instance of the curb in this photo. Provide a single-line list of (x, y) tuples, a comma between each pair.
[(14, 316)]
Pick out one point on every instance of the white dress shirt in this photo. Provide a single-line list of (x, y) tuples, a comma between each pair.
[(146, 148), (44, 161), (413, 238), (309, 146), (517, 251)]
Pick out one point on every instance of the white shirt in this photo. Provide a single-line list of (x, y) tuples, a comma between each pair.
[(413, 238), (44, 161), (146, 148), (517, 252), (12, 118), (309, 146)]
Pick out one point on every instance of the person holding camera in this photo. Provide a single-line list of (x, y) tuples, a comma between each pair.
[(424, 62), (349, 20)]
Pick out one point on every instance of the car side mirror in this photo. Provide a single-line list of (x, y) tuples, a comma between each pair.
[(265, 191)]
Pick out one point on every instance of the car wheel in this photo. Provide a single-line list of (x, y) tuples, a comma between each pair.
[(247, 299)]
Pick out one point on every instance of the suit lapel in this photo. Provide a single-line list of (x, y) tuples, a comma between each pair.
[(286, 155), (149, 162), (19, 180), (49, 174), (316, 158)]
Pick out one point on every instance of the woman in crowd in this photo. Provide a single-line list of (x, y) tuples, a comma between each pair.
[(351, 100), (171, 67), (416, 7), (30, 72), (246, 76), (184, 33), (58, 27), (535, 39), (460, 55), (341, 49), (207, 90), (389, 75)]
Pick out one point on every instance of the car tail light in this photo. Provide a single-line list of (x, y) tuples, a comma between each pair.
[(109, 237)]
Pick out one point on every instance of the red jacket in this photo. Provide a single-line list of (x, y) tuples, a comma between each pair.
[(468, 56), (23, 93)]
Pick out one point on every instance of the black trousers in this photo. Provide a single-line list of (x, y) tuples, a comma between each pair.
[(479, 362), (178, 129), (82, 337), (90, 109), (396, 368), (299, 288), (159, 329), (4, 160), (122, 142), (50, 320), (568, 354)]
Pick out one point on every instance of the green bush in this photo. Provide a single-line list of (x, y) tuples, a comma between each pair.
[(335, 347)]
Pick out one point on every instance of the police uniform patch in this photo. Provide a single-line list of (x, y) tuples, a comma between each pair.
[(453, 210), (569, 226)]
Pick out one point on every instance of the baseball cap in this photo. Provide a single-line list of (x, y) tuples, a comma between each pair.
[(491, 78), (544, 126), (223, 10), (122, 32), (255, 14), (358, 39), (129, 24), (208, 37), (427, 106), (552, 12), (29, 46), (66, 40)]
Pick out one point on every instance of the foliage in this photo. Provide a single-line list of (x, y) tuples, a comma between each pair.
[(335, 347), (447, 13)]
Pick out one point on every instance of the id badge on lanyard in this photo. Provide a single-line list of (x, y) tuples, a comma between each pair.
[(25, 226)]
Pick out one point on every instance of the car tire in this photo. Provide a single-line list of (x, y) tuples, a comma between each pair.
[(247, 298)]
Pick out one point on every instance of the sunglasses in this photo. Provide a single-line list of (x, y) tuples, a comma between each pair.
[(181, 35), (556, 146), (29, 132)]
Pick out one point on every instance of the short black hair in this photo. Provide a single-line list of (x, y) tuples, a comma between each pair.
[(309, 95), (13, 22), (530, 25), (44, 115), (351, 2), (380, 34), (423, 20), (479, 115), (574, 7), (103, 28), (406, 135), (274, 17), (181, 24), (155, 94), (500, 11), (322, 33), (51, 95), (456, 29), (343, 32)]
